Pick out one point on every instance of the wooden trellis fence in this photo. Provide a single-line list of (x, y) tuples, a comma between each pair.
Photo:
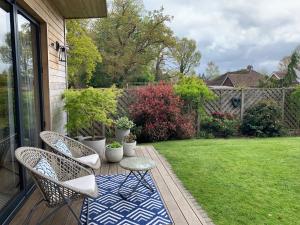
[(237, 101), (229, 100)]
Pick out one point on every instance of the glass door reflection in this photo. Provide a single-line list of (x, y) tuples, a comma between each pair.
[(29, 81), (9, 177)]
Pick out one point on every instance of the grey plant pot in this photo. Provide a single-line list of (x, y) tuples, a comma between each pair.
[(97, 145), (120, 134), (129, 149), (114, 155)]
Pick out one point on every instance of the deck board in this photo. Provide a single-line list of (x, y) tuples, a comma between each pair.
[(182, 209)]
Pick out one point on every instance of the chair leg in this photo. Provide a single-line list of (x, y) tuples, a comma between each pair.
[(28, 217)]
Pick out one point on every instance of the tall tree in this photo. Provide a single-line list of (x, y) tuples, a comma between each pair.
[(130, 38), (212, 71), (185, 55), (26, 61), (291, 77), (83, 54), (283, 63)]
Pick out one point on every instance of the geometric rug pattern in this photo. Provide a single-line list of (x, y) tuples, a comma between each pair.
[(143, 207)]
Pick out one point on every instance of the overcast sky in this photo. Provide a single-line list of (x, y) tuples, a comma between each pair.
[(236, 33)]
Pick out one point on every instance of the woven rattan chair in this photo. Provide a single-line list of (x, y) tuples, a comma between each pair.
[(78, 150), (56, 193)]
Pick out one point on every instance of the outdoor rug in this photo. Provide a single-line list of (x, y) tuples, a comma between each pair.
[(141, 208)]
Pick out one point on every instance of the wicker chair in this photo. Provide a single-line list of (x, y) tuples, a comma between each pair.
[(77, 149), (56, 193)]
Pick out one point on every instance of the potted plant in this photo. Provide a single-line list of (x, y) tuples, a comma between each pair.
[(129, 144), (88, 108), (123, 126), (114, 152)]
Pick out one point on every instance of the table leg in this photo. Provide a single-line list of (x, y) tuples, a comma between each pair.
[(141, 179)]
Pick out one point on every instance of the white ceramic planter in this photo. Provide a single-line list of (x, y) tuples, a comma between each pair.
[(114, 155), (98, 145), (79, 138), (129, 149), (120, 134)]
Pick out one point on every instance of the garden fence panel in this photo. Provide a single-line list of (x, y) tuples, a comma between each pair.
[(229, 100), (237, 100)]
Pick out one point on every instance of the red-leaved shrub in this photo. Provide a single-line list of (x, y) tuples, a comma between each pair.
[(157, 110), (186, 127)]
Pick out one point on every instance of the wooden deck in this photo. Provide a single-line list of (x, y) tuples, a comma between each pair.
[(179, 203)]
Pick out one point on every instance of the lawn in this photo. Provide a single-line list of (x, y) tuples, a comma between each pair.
[(240, 181)]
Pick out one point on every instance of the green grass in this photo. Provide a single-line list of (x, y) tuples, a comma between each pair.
[(240, 181)]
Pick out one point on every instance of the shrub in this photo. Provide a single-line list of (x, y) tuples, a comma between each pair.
[(124, 123), (87, 106), (194, 92), (263, 120), (220, 125), (294, 101), (185, 127), (157, 110)]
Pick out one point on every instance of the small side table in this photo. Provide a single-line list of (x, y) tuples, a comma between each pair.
[(139, 167)]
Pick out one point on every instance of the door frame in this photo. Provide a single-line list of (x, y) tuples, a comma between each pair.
[(25, 188)]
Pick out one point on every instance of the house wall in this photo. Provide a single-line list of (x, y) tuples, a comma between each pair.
[(54, 72)]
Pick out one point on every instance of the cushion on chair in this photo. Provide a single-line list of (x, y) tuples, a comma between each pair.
[(45, 168), (85, 184), (92, 161), (63, 148)]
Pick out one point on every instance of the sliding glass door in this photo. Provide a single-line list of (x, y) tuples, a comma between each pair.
[(28, 79), (9, 171), (20, 111)]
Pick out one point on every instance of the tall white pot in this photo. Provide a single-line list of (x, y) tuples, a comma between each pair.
[(120, 134), (98, 145)]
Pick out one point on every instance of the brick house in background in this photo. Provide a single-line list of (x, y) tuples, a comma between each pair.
[(278, 75), (241, 78)]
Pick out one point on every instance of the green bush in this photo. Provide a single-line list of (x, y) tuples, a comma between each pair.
[(263, 120), (219, 125), (295, 102), (88, 106), (194, 92)]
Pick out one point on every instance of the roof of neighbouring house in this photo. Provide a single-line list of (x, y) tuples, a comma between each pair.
[(79, 9), (241, 78), (279, 74)]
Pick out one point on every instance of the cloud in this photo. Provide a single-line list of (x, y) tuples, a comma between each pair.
[(235, 33)]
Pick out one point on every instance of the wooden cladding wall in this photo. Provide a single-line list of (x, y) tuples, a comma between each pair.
[(54, 71), (233, 101)]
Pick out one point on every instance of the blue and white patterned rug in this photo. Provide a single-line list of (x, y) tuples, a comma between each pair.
[(141, 208)]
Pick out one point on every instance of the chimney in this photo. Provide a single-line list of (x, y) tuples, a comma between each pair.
[(249, 68)]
